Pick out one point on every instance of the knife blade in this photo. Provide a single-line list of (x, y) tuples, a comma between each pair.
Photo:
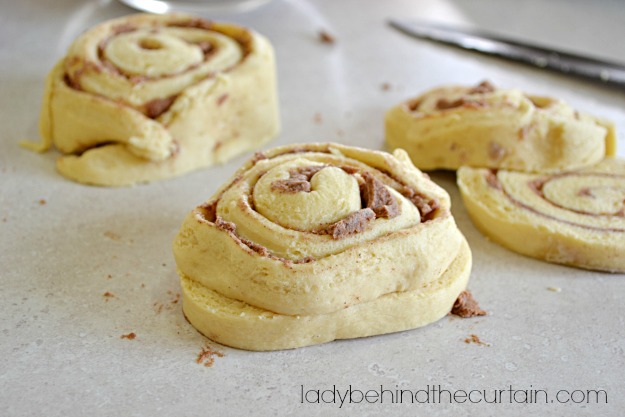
[(488, 43)]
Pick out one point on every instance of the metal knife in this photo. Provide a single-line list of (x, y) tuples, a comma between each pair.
[(596, 69)]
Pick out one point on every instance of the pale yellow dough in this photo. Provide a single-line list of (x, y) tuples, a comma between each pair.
[(98, 99), (269, 249), (574, 218), (449, 127), (238, 324)]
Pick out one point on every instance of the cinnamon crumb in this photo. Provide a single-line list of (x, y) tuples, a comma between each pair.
[(207, 356), (325, 37), (109, 276), (129, 336), (158, 307), (108, 295), (473, 338), (42, 202), (222, 99), (482, 88), (167, 305), (385, 86), (585, 192), (466, 306), (112, 235), (317, 118)]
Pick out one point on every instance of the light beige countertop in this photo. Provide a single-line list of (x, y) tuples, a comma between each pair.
[(64, 245)]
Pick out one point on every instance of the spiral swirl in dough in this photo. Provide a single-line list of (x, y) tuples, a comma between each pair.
[(488, 127), (146, 97), (311, 230), (575, 218)]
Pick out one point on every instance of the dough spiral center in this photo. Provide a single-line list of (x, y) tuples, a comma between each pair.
[(333, 195), (588, 194)]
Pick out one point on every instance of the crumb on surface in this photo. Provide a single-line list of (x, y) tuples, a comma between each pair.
[(326, 37), (385, 86), (473, 338), (112, 235), (108, 295), (466, 306), (207, 356), (129, 336), (42, 202), (317, 118), (554, 289), (170, 304)]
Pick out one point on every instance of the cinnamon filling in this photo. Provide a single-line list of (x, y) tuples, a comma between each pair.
[(155, 107), (466, 306), (299, 180), (377, 201), (158, 106), (427, 206), (378, 198), (492, 180), (354, 223), (444, 104), (483, 88), (537, 186)]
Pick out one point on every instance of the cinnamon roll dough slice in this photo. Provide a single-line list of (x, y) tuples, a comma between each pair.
[(574, 218), (241, 325), (488, 127), (147, 97), (310, 230)]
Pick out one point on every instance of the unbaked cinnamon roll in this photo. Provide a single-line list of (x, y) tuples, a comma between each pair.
[(147, 97), (574, 218), (310, 243), (488, 127)]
